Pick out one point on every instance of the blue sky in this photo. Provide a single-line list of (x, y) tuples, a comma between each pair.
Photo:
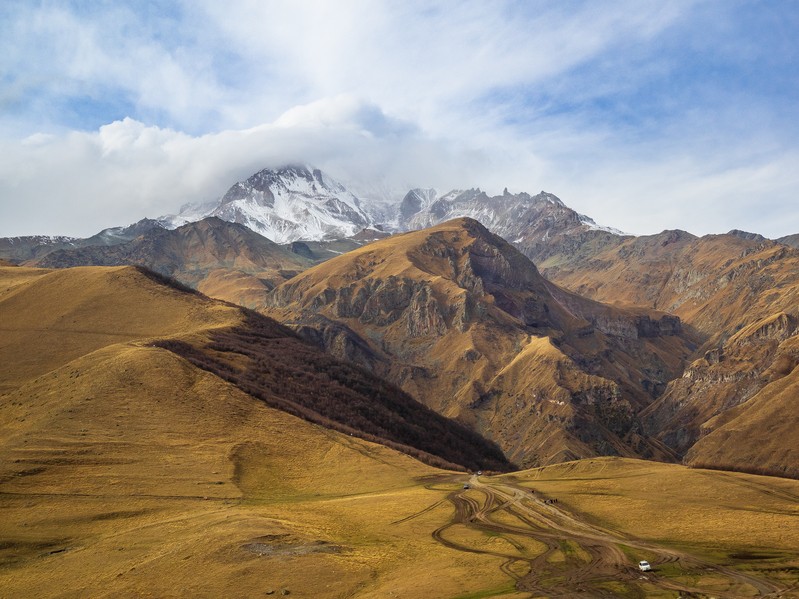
[(643, 115)]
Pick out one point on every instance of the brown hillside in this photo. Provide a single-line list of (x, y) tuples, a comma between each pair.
[(239, 287), (726, 377), (740, 292), (718, 284), (128, 472), (193, 253), (463, 321), (58, 316), (759, 434), (52, 317)]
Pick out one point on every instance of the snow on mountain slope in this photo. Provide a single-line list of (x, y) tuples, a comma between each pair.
[(298, 202), (541, 226), (591, 224), (415, 201), (285, 205), (508, 215)]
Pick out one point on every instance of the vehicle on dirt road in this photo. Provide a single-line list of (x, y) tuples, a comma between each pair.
[(644, 566)]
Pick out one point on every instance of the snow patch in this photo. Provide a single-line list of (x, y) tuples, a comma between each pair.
[(591, 224)]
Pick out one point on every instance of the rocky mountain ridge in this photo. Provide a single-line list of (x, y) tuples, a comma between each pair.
[(224, 259), (463, 321)]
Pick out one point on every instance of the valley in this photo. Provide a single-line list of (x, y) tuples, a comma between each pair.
[(129, 471), (390, 300)]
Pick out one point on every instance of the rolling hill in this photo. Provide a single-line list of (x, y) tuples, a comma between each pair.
[(127, 470), (60, 316), (205, 254)]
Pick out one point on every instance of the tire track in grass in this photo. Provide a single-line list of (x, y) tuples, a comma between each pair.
[(601, 571)]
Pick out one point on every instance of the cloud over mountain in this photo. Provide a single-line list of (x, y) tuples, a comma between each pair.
[(114, 112)]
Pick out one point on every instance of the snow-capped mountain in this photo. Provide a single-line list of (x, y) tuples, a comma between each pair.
[(415, 201), (301, 203), (508, 215), (286, 204), (541, 226)]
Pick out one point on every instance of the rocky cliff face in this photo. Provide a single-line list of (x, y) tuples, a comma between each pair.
[(757, 433), (727, 376), (716, 284), (739, 294), (462, 320)]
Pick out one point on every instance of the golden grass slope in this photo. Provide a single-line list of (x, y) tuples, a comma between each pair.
[(238, 287), (52, 317), (130, 472), (138, 475), (125, 471), (713, 512)]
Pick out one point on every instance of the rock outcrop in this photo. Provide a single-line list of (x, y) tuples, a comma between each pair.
[(463, 321), (726, 377)]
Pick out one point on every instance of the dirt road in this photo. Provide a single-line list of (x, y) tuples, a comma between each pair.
[(578, 558)]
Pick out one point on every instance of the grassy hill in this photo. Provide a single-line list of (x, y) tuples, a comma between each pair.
[(127, 471), (57, 316)]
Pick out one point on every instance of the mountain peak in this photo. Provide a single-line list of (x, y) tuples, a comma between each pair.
[(462, 319), (549, 197), (746, 235), (285, 204)]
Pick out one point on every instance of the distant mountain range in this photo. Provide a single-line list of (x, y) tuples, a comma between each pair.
[(299, 203), (669, 346)]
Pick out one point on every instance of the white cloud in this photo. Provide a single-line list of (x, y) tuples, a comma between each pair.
[(80, 182), (112, 112)]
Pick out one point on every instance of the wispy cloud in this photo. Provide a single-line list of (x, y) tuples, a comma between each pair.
[(645, 115)]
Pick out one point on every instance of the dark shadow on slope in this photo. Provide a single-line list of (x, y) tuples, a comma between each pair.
[(269, 362)]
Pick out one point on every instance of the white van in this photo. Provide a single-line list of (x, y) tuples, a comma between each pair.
[(644, 566)]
